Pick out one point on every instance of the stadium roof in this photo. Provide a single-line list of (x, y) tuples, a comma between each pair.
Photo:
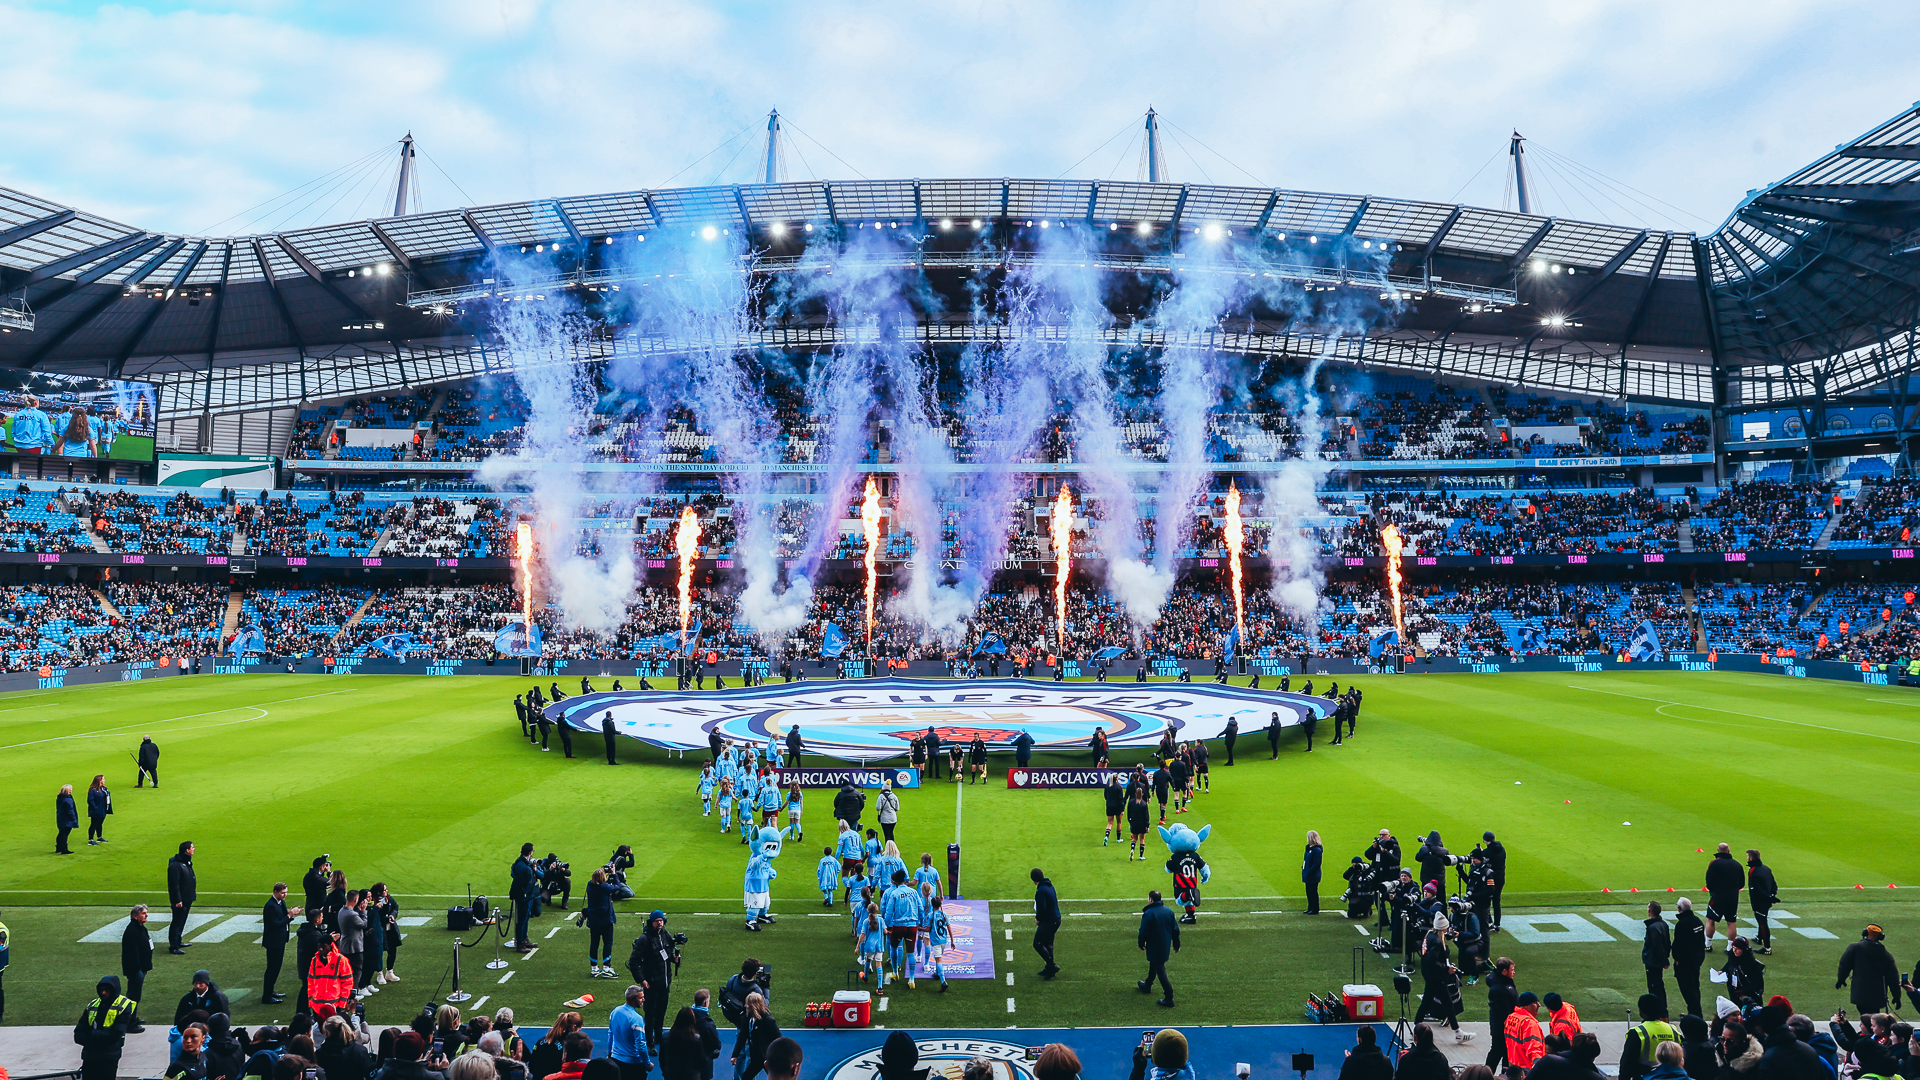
[(1811, 287)]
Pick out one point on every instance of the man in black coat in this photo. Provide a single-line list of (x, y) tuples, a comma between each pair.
[(1875, 975), (1311, 725), (1365, 1061), (149, 760), (545, 724), (1502, 998), (1497, 867), (520, 709), (1656, 951), (102, 1031), (182, 891), (1339, 719), (314, 883), (607, 733), (276, 923), (1353, 709), (848, 802), (1724, 882), (1022, 748), (136, 959), (794, 745), (566, 737), (652, 965), (1232, 733), (1159, 939), (709, 1033), (1046, 921), (1762, 892), (205, 996), (932, 741), (1787, 1058), (311, 940), (1689, 952)]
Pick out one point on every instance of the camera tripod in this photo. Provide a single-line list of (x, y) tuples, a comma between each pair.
[(1402, 1037)]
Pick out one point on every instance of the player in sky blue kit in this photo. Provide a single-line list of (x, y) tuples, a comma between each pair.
[(827, 876), (851, 858), (707, 782), (939, 936), (925, 874), (726, 804)]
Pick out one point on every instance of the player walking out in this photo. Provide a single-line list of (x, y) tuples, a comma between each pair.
[(1137, 818), (1116, 799)]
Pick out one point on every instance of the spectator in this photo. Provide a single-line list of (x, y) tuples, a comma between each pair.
[(683, 1053), (1424, 1061), (340, 1052), (577, 1048), (1057, 1061), (783, 1059), (627, 1036), (102, 1031), (66, 818), (1365, 1061)]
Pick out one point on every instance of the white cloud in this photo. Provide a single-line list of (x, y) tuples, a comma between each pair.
[(176, 120)]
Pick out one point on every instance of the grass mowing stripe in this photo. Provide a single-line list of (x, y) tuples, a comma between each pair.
[(1756, 716)]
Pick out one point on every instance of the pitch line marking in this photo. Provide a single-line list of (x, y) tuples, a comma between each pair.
[(504, 978), (552, 932), (482, 1002), (1755, 716), (189, 716), (1009, 1004)]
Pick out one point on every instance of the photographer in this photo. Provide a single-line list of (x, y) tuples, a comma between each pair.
[(654, 962), (1497, 866), (617, 867), (599, 917), (755, 978), (1384, 854), (1434, 859), (1360, 890), (556, 877), (1481, 889)]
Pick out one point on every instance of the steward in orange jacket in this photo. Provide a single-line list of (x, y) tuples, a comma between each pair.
[(1524, 1044)]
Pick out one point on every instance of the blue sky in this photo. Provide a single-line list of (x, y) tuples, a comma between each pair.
[(186, 117)]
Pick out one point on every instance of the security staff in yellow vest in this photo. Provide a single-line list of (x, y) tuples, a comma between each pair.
[(102, 1031)]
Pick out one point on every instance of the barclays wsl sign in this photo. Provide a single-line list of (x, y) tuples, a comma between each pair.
[(876, 719)]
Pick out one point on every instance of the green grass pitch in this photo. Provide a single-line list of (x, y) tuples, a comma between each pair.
[(426, 784)]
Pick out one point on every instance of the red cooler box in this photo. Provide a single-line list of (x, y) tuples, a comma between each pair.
[(1364, 1002), (854, 1008)]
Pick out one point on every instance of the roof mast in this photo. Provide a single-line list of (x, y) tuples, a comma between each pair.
[(1154, 163), (1519, 153), (406, 176), (776, 162)]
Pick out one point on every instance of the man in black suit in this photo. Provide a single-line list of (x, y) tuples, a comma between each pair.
[(276, 921), (136, 956), (607, 732), (932, 739), (182, 890)]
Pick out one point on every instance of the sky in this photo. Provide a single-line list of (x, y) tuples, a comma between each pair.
[(240, 117)]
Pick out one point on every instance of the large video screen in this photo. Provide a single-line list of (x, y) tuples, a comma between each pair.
[(75, 417)]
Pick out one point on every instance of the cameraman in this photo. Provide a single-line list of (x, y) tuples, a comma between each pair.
[(1497, 866), (754, 978), (556, 877), (654, 962), (1481, 889)]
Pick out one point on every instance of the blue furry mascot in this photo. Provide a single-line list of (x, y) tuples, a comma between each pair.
[(1189, 870), (760, 875)]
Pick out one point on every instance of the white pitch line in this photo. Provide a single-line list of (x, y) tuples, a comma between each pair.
[(882, 1007), (1009, 935), (1360, 928), (171, 719), (528, 955), (481, 1001), (552, 932), (504, 978), (1009, 978), (1009, 1004), (1009, 955)]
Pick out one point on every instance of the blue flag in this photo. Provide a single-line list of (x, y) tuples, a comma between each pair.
[(1233, 642), (1111, 652), (513, 640), (1646, 643), (833, 641), (1378, 646), (249, 639), (396, 645), (691, 639), (990, 643)]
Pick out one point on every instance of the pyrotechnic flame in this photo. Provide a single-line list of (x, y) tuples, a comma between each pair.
[(686, 544), (1062, 525), (1236, 539), (1390, 536), (870, 519), (523, 549)]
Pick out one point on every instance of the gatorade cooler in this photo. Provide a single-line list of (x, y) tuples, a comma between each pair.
[(854, 1008), (1364, 1001)]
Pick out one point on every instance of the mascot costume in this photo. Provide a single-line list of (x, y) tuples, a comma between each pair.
[(1189, 870), (759, 879)]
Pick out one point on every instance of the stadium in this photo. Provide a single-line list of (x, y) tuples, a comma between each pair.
[(1610, 527)]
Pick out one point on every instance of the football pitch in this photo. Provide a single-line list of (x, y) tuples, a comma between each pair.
[(1594, 782)]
